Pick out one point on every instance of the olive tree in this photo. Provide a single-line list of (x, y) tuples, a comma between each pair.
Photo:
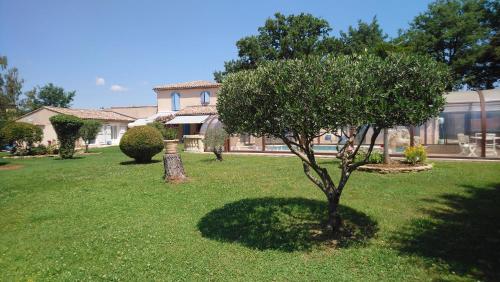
[(350, 96), (214, 139), (89, 131)]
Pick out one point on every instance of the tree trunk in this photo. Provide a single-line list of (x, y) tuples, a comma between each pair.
[(334, 221), (412, 135), (174, 170), (387, 158), (218, 153), (86, 148)]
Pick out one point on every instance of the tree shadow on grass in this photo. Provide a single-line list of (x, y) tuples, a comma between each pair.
[(464, 234), (284, 224), (132, 162)]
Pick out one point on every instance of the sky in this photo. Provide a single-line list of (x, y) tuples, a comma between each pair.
[(112, 53)]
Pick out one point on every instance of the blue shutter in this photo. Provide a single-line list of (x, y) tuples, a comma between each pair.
[(205, 98), (176, 101)]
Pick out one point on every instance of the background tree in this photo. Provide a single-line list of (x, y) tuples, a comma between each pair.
[(67, 128), (295, 100), (366, 37), (89, 131), (215, 139), (282, 37), (21, 135), (48, 95), (464, 35), (10, 91)]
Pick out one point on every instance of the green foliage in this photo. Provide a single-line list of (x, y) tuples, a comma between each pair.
[(10, 91), (376, 157), (171, 133), (141, 143), (415, 154), (67, 128), (305, 96), (366, 37), (282, 37), (462, 34), (39, 150), (22, 135), (168, 133), (48, 95), (52, 149), (214, 139), (89, 131)]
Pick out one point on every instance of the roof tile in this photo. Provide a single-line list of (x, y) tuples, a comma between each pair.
[(91, 114), (197, 110), (188, 85)]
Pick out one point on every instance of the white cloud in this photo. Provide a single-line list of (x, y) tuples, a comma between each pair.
[(118, 88), (100, 81)]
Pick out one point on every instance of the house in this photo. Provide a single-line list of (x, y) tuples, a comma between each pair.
[(136, 112), (192, 103), (114, 124)]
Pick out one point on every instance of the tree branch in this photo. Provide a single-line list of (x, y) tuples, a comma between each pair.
[(376, 132)]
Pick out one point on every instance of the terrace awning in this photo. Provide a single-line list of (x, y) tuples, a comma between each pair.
[(188, 119)]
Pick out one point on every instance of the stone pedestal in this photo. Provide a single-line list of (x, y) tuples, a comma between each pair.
[(174, 170), (193, 143)]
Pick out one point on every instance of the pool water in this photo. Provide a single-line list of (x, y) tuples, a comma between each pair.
[(319, 148)]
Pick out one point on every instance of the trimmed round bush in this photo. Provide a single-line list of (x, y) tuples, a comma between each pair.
[(141, 143), (67, 129)]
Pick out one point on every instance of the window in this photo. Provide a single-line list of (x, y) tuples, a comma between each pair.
[(114, 132), (176, 101), (205, 98)]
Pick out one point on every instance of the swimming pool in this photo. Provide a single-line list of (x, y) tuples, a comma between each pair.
[(321, 148)]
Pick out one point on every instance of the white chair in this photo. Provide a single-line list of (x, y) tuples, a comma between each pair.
[(468, 148), (490, 144)]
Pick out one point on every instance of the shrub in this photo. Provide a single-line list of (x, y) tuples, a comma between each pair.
[(171, 133), (67, 129), (52, 148), (214, 139), (39, 150), (168, 133), (89, 131), (141, 143), (415, 154), (22, 135), (376, 157)]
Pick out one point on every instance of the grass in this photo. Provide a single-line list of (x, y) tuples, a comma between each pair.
[(101, 217)]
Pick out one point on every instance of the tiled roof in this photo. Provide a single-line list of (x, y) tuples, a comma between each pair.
[(188, 85), (135, 111), (197, 110), (91, 114)]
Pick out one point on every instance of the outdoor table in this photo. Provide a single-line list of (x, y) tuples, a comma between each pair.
[(478, 143)]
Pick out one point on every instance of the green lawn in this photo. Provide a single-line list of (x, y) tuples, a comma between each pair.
[(247, 218)]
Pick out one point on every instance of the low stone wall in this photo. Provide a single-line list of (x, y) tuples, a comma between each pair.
[(384, 169)]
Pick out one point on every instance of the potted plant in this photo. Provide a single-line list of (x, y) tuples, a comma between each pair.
[(170, 142)]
